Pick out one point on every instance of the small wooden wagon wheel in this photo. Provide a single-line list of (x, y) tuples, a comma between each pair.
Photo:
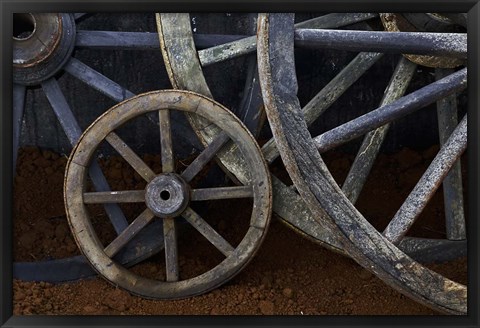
[(168, 195), (300, 152)]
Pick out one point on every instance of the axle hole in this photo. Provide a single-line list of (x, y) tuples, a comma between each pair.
[(23, 26), (165, 195)]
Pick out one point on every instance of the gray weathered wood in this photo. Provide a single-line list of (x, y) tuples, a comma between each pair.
[(221, 193), (452, 185), (205, 156), (171, 249), (129, 155), (320, 191), (373, 140), (438, 44), (416, 100), (19, 92), (113, 40), (208, 232), (86, 236), (428, 184), (124, 196), (97, 80), (131, 231), (248, 45), (329, 94), (73, 132), (168, 161)]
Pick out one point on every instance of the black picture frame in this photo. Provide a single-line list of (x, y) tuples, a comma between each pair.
[(8, 7)]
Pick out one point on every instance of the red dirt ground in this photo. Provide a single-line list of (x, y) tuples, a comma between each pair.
[(288, 276)]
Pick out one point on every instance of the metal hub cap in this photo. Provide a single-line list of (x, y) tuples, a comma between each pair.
[(167, 195), (42, 43)]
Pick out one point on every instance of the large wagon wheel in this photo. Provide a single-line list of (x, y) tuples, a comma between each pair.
[(167, 195), (185, 64), (375, 251), (43, 48)]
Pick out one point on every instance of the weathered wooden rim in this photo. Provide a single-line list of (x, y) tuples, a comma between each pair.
[(320, 191)]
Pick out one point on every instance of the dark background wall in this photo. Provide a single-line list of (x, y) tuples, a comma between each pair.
[(141, 71)]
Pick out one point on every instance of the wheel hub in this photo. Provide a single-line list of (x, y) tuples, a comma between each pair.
[(167, 195), (42, 43)]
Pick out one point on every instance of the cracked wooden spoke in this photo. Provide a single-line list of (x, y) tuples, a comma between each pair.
[(125, 196), (205, 156), (207, 231), (19, 92), (97, 81), (452, 185), (329, 94), (455, 82), (249, 45), (131, 231), (221, 193), (129, 155), (171, 249), (373, 140), (428, 184), (168, 163)]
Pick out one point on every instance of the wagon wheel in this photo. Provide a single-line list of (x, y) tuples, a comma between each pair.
[(185, 65), (43, 48), (300, 153), (168, 195)]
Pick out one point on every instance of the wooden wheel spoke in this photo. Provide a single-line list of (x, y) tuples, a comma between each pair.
[(248, 45), (434, 44), (62, 110), (221, 193), (97, 80), (452, 185), (171, 249), (329, 94), (130, 156), (71, 128), (168, 163), (141, 40), (205, 156), (125, 196), (131, 231), (373, 140), (455, 82), (207, 231), (428, 184), (19, 92)]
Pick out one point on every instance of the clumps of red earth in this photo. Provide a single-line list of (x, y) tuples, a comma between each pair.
[(289, 275)]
